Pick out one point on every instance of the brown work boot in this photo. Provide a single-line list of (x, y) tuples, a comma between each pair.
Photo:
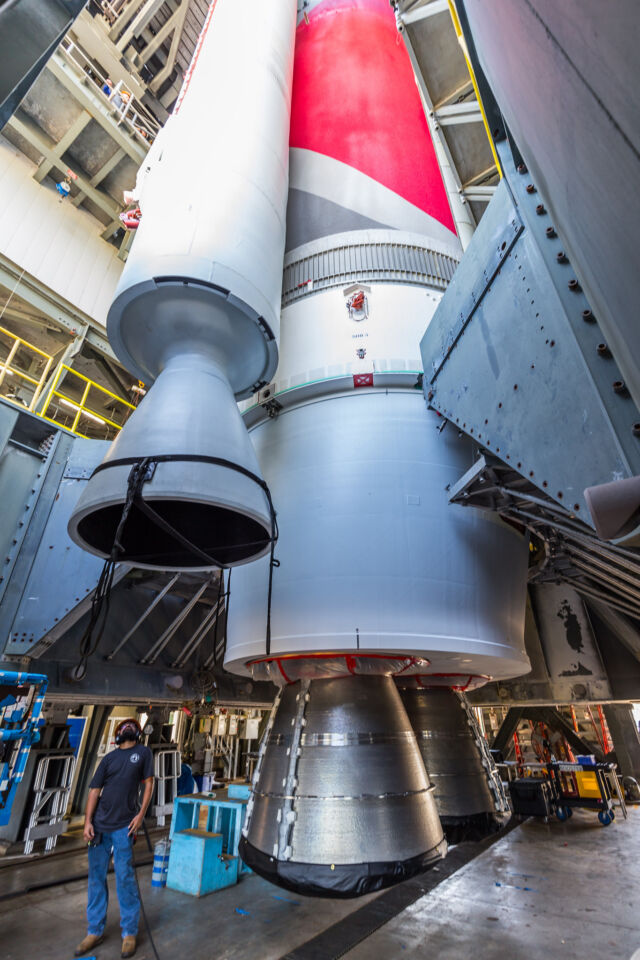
[(90, 941), (128, 946)]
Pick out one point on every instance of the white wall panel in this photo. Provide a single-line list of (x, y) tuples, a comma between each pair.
[(57, 243)]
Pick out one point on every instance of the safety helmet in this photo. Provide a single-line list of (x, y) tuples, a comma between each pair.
[(128, 729)]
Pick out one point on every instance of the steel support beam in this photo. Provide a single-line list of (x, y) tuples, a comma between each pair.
[(479, 194), (97, 724), (138, 24), (104, 171), (124, 18), (467, 112), (154, 603), (507, 729), (63, 145), (164, 639), (32, 133), (551, 718), (425, 11), (461, 211), (178, 18), (624, 732), (174, 22), (198, 635), (94, 103)]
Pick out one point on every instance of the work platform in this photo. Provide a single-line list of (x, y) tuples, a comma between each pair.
[(561, 890)]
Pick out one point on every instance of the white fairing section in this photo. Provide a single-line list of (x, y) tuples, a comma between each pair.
[(321, 339), (214, 200), (372, 556)]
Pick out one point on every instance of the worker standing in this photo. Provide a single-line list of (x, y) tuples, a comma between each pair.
[(64, 189), (112, 819)]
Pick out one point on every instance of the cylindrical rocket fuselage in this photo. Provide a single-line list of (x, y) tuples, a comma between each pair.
[(372, 555), (197, 306), (378, 574)]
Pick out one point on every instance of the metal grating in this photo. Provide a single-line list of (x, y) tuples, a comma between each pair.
[(380, 262)]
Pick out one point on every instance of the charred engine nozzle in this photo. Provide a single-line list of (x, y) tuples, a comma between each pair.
[(469, 795), (341, 802)]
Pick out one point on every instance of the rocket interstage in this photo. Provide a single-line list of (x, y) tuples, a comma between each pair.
[(197, 307), (379, 576)]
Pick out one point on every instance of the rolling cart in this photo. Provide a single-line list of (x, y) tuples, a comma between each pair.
[(585, 783)]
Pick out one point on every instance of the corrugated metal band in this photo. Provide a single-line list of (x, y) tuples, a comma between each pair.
[(362, 796), (382, 262), (340, 739)]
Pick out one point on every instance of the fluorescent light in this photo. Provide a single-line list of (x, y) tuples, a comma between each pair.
[(85, 413)]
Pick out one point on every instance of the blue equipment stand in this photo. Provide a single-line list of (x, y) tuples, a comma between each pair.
[(205, 859)]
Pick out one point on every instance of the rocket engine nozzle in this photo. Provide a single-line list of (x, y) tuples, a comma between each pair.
[(201, 501), (341, 802), (469, 795)]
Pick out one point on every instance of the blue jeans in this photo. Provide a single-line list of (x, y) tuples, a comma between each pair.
[(120, 845)]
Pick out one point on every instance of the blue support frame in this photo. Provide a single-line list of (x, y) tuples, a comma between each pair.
[(19, 724)]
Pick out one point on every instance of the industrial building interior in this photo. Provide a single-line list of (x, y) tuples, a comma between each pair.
[(320, 479)]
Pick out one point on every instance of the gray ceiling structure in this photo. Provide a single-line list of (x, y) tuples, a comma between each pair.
[(453, 112)]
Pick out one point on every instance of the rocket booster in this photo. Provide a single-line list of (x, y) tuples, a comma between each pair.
[(196, 311), (379, 577)]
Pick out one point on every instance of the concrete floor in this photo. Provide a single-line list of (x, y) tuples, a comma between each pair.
[(543, 892)]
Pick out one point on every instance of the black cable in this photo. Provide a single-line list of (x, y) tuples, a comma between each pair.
[(273, 563), (93, 633), (215, 629), (90, 641), (142, 469), (227, 601), (144, 913)]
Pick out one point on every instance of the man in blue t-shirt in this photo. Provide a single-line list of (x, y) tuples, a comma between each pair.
[(112, 819)]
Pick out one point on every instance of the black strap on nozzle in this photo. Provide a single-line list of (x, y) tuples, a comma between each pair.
[(142, 470)]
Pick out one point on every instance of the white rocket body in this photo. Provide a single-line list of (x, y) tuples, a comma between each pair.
[(373, 558), (378, 576), (197, 305)]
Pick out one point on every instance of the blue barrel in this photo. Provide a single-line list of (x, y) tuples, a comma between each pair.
[(160, 863)]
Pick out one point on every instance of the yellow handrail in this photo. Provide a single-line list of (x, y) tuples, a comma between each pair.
[(463, 47), (7, 366), (81, 406)]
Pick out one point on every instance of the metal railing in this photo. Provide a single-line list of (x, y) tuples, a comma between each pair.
[(51, 788), (166, 764), (9, 368), (57, 399), (132, 113)]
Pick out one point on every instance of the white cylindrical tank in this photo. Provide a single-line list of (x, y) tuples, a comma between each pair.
[(373, 558), (197, 306), (378, 575)]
